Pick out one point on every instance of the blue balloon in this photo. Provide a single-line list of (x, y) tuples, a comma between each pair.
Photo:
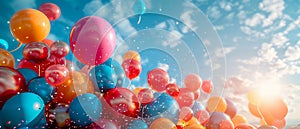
[(118, 70), (28, 74), (138, 124), (163, 106), (1, 125), (197, 106), (139, 7), (41, 87), (104, 77), (85, 109), (25, 109), (41, 125), (3, 44)]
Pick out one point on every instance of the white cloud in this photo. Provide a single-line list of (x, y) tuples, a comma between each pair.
[(225, 5), (214, 12), (292, 53), (267, 52), (220, 53), (17, 5), (257, 19), (274, 7), (163, 66), (173, 39), (91, 7), (251, 32), (279, 39)]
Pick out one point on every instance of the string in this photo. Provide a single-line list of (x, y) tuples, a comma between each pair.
[(19, 46)]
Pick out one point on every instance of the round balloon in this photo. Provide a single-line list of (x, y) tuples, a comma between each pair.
[(219, 120), (145, 96), (25, 109), (85, 109), (24, 63), (132, 68), (202, 116), (186, 113), (231, 109), (118, 70), (40, 87), (244, 126), (59, 49), (207, 86), (158, 79), (36, 51), (56, 74), (51, 10), (172, 89), (193, 82), (28, 74), (132, 55), (162, 123), (185, 97), (6, 59), (254, 110), (29, 25), (216, 104), (138, 124), (239, 119), (104, 77), (92, 40)]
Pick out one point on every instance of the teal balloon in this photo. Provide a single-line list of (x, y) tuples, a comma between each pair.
[(41, 125), (3, 44), (22, 110), (115, 65), (138, 124), (85, 109), (104, 77), (28, 74), (1, 125), (41, 87), (139, 7)]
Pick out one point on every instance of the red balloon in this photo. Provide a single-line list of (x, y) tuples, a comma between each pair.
[(103, 124), (24, 63), (132, 68), (59, 49), (11, 82), (186, 113), (196, 94), (52, 11), (56, 74), (123, 101), (172, 89), (219, 120), (207, 86), (158, 79), (146, 96), (48, 42), (37, 51), (202, 116), (185, 97), (231, 109), (244, 126)]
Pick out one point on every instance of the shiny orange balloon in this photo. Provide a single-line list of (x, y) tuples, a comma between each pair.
[(29, 25), (253, 97), (129, 55), (77, 84), (254, 110), (162, 123), (216, 104), (239, 119), (6, 59)]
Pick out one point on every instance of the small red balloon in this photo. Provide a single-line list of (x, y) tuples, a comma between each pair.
[(59, 49), (123, 101), (186, 113), (172, 89), (24, 63), (37, 51), (207, 86), (146, 96), (158, 79), (132, 68), (52, 11), (56, 74)]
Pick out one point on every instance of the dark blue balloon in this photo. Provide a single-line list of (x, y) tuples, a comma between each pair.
[(85, 109), (163, 106), (118, 70), (41, 125), (138, 124), (25, 109), (40, 87), (104, 77), (28, 74)]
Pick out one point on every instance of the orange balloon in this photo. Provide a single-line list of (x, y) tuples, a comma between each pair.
[(238, 119), (253, 97), (29, 25), (77, 84), (216, 104), (48, 42), (162, 123), (254, 110), (132, 55), (6, 59)]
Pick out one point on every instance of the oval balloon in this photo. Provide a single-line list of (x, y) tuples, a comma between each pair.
[(145, 96), (230, 109), (185, 97), (28, 74), (193, 82), (40, 87), (172, 89), (162, 123), (118, 70), (202, 116), (104, 77), (219, 120), (51, 10), (29, 25), (186, 113), (6, 59), (56, 74), (131, 55), (158, 79), (216, 104), (239, 119), (207, 86), (132, 68), (36, 51), (59, 49)]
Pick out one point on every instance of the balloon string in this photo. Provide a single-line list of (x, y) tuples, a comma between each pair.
[(260, 114), (19, 46)]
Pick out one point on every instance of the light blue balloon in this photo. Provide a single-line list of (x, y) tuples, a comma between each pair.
[(3, 44), (85, 109), (104, 77), (28, 74), (41, 87), (22, 110), (138, 124), (118, 70), (139, 7), (197, 106)]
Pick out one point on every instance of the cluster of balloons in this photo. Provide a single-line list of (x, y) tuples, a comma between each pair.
[(48, 91)]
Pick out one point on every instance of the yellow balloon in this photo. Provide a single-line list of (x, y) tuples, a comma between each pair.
[(253, 97), (238, 119), (6, 59), (162, 123), (132, 55), (137, 90), (216, 104)]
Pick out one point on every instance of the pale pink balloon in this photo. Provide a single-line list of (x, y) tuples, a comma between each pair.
[(186, 113), (86, 69), (185, 97), (193, 82)]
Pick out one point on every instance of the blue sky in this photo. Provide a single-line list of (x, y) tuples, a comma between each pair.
[(245, 44)]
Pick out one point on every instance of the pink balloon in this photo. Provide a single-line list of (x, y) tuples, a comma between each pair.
[(207, 86), (158, 79), (185, 97), (52, 11), (92, 40), (186, 113), (146, 96), (172, 89), (202, 116), (193, 82), (56, 74)]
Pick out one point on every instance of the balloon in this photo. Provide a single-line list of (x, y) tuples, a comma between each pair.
[(254, 110), (162, 123), (104, 77), (24, 63), (231, 109), (139, 7), (40, 87), (56, 74), (158, 79), (85, 109), (138, 124), (11, 82), (132, 68), (25, 109), (266, 127), (36, 51), (118, 70), (123, 101), (57, 115), (197, 106), (172, 89), (193, 82), (29, 25), (202, 116), (48, 42), (244, 126), (194, 126), (196, 94), (216, 104), (3, 44), (270, 109), (92, 40), (137, 90), (59, 49), (51, 10), (238, 119), (185, 97), (77, 84), (253, 97), (219, 120), (186, 113), (280, 124), (131, 55), (104, 124), (146, 96), (207, 86), (42, 123), (191, 122), (28, 74), (6, 59)]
